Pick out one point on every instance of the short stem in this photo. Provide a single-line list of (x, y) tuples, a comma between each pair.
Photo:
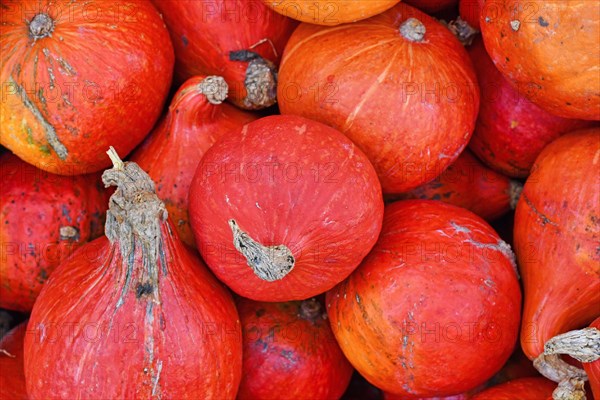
[(412, 29), (310, 309), (514, 193), (41, 26), (214, 88), (269, 263), (464, 32)]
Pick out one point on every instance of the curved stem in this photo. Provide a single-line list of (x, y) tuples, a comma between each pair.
[(269, 263)]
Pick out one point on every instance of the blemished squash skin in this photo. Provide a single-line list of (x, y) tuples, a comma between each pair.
[(45, 218), (548, 49), (434, 310), (97, 75), (408, 100), (556, 233), (290, 352)]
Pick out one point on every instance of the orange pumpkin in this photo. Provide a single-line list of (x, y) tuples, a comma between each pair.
[(330, 12), (556, 234), (549, 50)]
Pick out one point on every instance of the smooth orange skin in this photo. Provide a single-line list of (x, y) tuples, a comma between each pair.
[(552, 58), (469, 184), (369, 82), (205, 32), (434, 309), (34, 206), (12, 378), (330, 12), (432, 6), (511, 131), (173, 150), (288, 357), (85, 343), (522, 389), (593, 369), (100, 80), (291, 181), (556, 234)]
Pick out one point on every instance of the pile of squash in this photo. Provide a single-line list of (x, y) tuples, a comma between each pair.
[(256, 199)]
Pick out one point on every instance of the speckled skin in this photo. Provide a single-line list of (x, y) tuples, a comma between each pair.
[(292, 181), (84, 343), (593, 369), (522, 389), (556, 235), (549, 50), (99, 80), (289, 357), (34, 206), (12, 378), (410, 106), (330, 12), (511, 131), (469, 184), (205, 32), (434, 310), (173, 150)]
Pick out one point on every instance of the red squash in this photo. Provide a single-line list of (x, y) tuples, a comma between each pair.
[(196, 119), (240, 40), (134, 314), (45, 218), (285, 208), (78, 77), (469, 184), (12, 378), (330, 12), (434, 309), (470, 12), (511, 131), (549, 50), (399, 85), (290, 352), (522, 389), (388, 396), (556, 234), (432, 6)]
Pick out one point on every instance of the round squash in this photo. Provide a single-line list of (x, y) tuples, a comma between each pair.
[(549, 50), (399, 85), (434, 309), (284, 208)]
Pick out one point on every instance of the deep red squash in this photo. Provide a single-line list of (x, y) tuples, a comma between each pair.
[(434, 308), (511, 131), (470, 12), (469, 184), (522, 389), (549, 50), (45, 218), (399, 85), (240, 40), (329, 12), (12, 378), (285, 208), (432, 6), (78, 77), (196, 119), (134, 314), (290, 352), (556, 234)]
